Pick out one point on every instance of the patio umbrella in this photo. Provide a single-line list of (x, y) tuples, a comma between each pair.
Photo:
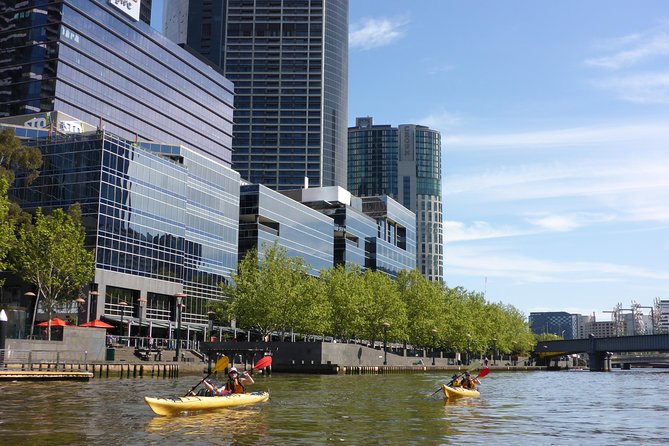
[(97, 323), (55, 322)]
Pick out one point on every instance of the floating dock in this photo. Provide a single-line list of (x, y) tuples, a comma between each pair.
[(39, 375)]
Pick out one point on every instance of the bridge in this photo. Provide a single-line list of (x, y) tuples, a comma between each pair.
[(599, 350)]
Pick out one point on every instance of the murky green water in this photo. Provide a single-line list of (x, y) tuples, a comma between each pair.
[(538, 408)]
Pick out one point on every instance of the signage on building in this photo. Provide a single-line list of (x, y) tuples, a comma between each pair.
[(56, 120), (128, 7)]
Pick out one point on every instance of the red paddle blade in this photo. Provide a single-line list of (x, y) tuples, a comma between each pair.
[(264, 362), (483, 372)]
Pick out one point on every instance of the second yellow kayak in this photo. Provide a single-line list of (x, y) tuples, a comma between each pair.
[(458, 392)]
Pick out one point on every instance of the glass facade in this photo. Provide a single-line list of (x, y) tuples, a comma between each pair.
[(161, 218), (395, 241), (267, 216), (89, 60), (558, 323), (378, 237), (405, 163), (288, 60)]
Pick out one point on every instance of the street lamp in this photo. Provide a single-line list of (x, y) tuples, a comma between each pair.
[(179, 297), (210, 315), (385, 342), (123, 304), (142, 301), (80, 303), (434, 336), (469, 343), (31, 294), (88, 305)]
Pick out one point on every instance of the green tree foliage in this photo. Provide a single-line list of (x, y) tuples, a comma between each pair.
[(275, 294), (382, 303), (7, 237), (344, 291), (50, 254), (425, 307), (15, 156)]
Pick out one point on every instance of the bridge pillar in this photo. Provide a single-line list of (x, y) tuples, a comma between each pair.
[(600, 361)]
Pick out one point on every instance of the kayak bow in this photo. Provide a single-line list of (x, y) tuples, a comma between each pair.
[(171, 406)]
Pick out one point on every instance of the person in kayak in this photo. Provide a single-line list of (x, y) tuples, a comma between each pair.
[(468, 382), (234, 384)]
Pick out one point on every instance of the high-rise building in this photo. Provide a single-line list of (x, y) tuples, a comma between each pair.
[(139, 132), (288, 60), (405, 163), (98, 62), (156, 224)]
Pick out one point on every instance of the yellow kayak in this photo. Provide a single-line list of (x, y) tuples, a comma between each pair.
[(458, 392), (171, 406)]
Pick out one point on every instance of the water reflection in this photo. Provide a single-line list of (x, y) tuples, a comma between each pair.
[(227, 425)]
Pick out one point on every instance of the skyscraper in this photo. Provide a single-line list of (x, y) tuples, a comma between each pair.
[(405, 163), (288, 60), (98, 62)]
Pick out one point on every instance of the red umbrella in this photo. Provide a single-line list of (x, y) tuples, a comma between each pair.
[(55, 322), (97, 323)]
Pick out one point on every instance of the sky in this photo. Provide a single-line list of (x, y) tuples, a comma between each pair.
[(554, 119)]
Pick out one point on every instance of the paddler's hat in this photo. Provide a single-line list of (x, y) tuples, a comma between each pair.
[(233, 370), (467, 373)]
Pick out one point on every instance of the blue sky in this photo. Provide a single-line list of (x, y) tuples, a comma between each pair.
[(555, 126)]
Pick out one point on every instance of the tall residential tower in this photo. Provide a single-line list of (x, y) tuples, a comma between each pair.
[(288, 60), (405, 163)]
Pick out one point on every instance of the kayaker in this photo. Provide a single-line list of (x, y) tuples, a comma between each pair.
[(468, 382), (234, 384)]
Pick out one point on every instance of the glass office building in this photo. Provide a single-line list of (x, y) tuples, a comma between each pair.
[(288, 60), (100, 64), (266, 217), (376, 237), (162, 220), (403, 162), (394, 247)]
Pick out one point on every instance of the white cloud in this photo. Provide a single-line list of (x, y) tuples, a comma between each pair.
[(375, 33), (647, 133), (564, 222), (441, 120), (646, 88), (456, 231), (466, 260), (633, 49)]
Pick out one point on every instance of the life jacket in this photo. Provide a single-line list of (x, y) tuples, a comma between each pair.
[(234, 386)]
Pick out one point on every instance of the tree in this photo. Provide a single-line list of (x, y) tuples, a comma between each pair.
[(274, 293), (425, 306), (15, 156), (382, 303), (50, 255), (7, 237), (344, 291)]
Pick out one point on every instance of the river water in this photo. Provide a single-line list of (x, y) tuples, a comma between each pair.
[(515, 408)]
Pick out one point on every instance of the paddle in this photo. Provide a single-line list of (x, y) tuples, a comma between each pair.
[(481, 374), (221, 364), (266, 361)]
